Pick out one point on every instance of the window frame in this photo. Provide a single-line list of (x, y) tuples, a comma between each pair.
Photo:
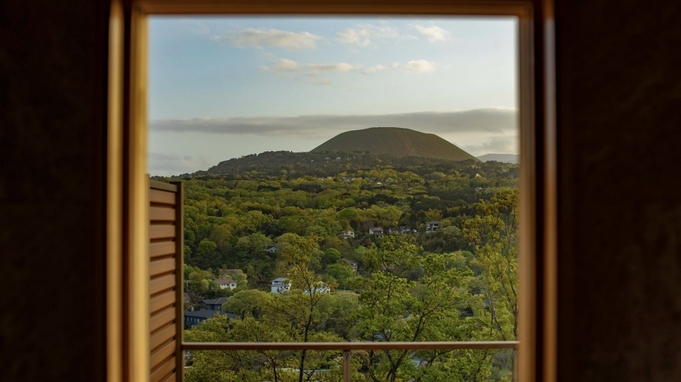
[(127, 215)]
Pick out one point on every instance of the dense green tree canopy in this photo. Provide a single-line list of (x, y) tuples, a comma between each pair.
[(290, 216)]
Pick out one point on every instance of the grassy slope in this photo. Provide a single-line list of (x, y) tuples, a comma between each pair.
[(395, 141)]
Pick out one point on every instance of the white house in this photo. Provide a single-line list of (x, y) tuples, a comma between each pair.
[(347, 235), (376, 231), (280, 285), (432, 226), (322, 288), (226, 283), (271, 249), (405, 229)]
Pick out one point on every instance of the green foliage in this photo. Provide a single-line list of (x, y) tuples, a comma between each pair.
[(394, 141), (456, 284)]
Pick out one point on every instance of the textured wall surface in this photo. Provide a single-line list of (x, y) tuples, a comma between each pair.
[(52, 118), (619, 115)]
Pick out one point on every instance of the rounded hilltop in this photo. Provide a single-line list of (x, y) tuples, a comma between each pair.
[(395, 141)]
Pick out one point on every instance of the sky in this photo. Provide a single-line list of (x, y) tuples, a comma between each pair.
[(221, 88)]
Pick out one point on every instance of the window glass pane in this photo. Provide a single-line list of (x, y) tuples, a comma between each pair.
[(346, 179)]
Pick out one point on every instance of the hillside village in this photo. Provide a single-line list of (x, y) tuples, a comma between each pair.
[(280, 244)]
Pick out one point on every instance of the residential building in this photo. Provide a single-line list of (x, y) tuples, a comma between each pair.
[(213, 304), (280, 285), (406, 229), (271, 249), (199, 316), (347, 235), (319, 289), (376, 231), (432, 226), (226, 283)]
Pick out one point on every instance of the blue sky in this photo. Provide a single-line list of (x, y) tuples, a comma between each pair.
[(225, 87)]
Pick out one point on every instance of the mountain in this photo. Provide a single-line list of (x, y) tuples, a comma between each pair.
[(506, 158), (396, 142)]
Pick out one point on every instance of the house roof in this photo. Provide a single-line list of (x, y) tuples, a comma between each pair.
[(280, 279), (225, 281), (205, 313), (215, 301), (376, 229)]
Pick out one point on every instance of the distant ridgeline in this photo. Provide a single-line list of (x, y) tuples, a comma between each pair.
[(384, 147)]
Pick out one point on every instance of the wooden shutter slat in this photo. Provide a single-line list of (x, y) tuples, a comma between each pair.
[(161, 283), (163, 370), (161, 231), (162, 214), (162, 353), (162, 318), (162, 197), (161, 301), (158, 185), (161, 266), (165, 281), (163, 248), (162, 336)]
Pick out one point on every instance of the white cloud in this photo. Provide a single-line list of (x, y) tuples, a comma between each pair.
[(365, 35), (496, 121), (271, 37), (420, 66), (171, 164), (433, 33), (342, 67), (286, 65), (503, 144), (375, 69)]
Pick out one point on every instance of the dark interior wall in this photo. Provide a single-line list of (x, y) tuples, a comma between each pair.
[(52, 118), (619, 118)]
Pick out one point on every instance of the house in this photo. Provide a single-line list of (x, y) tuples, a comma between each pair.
[(322, 288), (392, 230), (432, 226), (406, 229), (213, 304), (271, 249), (199, 316), (347, 235), (226, 283), (376, 231), (280, 285)]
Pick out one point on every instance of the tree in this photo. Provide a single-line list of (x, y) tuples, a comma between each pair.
[(493, 235), (248, 303)]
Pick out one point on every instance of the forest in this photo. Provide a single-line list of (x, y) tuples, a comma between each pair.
[(440, 264)]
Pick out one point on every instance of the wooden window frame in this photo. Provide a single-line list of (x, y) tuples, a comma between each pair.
[(127, 215)]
